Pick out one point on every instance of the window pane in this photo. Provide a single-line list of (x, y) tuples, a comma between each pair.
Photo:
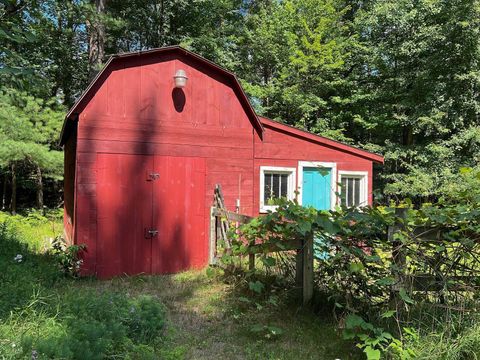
[(284, 186), (343, 191), (276, 186), (357, 192), (267, 187), (351, 192)]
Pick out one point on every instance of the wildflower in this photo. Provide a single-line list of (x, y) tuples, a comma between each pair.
[(18, 258)]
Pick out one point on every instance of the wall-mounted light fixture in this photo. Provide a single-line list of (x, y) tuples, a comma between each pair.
[(180, 79)]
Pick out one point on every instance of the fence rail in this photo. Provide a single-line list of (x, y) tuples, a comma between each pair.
[(220, 222)]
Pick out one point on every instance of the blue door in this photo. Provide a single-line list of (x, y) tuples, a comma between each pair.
[(316, 187), (316, 192)]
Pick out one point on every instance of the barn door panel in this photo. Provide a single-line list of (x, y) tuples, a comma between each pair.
[(178, 214), (124, 214)]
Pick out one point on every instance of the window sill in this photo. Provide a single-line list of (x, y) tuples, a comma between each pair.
[(265, 209)]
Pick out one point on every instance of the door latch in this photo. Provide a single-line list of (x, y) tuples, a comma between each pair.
[(153, 176), (150, 233)]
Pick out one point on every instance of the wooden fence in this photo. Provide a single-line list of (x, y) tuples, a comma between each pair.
[(418, 281), (220, 222)]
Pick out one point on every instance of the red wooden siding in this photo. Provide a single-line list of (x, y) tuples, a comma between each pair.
[(124, 212), (280, 149), (132, 122), (179, 211), (135, 111), (69, 187)]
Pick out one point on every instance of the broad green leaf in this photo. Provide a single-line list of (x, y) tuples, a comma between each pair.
[(256, 286), (372, 354), (404, 296), (356, 267)]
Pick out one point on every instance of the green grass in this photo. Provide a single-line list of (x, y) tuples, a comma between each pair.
[(184, 316), (35, 229)]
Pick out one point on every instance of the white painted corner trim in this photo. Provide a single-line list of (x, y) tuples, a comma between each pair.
[(292, 178), (333, 178), (363, 176)]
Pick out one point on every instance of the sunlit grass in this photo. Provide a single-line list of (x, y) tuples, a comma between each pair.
[(205, 317)]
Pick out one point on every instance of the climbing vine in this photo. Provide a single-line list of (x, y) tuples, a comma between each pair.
[(370, 275)]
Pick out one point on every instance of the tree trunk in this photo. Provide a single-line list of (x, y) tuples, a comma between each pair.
[(407, 135), (4, 192), (39, 188), (13, 201), (96, 41)]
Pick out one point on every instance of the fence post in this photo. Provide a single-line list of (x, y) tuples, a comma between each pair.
[(304, 268), (308, 269), (399, 259), (299, 268), (251, 261), (213, 237)]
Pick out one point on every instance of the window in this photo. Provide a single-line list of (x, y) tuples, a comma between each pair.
[(354, 189), (275, 183)]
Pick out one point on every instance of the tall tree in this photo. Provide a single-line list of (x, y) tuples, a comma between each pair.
[(28, 129), (296, 56), (419, 84), (96, 37)]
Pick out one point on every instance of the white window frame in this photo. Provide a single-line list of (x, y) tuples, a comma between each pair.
[(291, 181), (333, 176), (363, 176)]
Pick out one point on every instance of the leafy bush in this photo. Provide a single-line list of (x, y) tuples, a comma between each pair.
[(68, 257), (356, 267), (146, 319)]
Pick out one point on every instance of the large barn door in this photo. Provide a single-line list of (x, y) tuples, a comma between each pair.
[(178, 214), (150, 214), (124, 214)]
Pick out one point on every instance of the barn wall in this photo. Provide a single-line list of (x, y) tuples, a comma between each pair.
[(136, 110), (69, 186), (280, 149)]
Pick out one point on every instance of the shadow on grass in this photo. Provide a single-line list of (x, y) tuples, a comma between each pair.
[(207, 318), (211, 319)]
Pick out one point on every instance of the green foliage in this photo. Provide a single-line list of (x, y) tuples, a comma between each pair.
[(28, 129), (460, 342), (21, 278), (356, 269), (375, 341), (44, 315), (68, 257), (36, 229), (92, 326)]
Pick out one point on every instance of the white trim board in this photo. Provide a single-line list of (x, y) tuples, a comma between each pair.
[(292, 178), (333, 180)]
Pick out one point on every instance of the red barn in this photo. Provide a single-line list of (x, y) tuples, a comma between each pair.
[(144, 150)]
